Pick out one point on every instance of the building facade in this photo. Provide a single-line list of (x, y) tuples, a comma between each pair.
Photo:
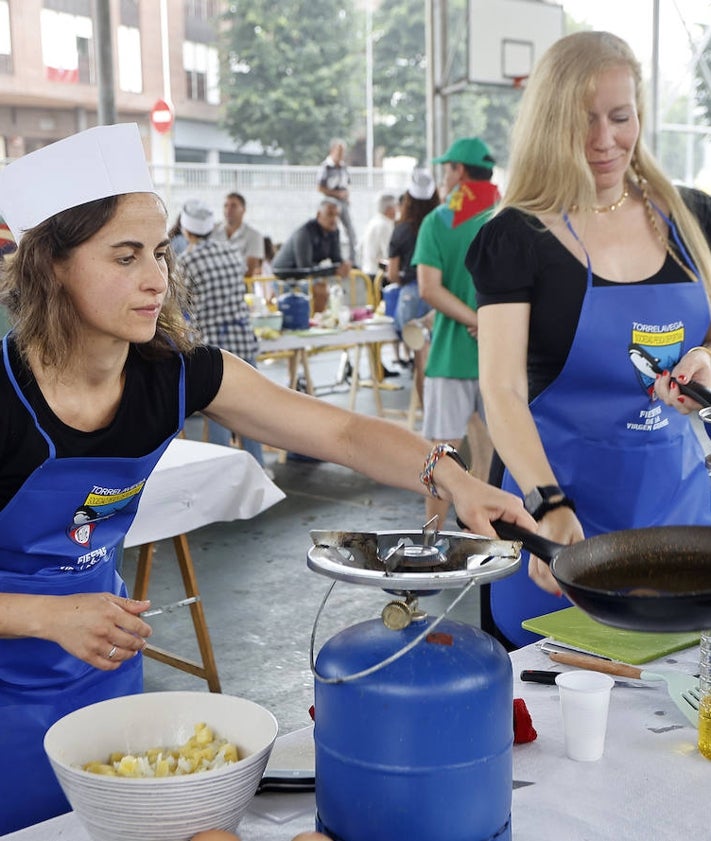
[(161, 49)]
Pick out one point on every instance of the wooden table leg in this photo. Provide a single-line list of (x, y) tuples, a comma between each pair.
[(375, 373), (207, 669), (355, 378), (143, 572)]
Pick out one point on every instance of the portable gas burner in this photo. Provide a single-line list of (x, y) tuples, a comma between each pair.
[(413, 714)]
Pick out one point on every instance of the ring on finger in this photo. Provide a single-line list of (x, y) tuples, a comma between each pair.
[(112, 653)]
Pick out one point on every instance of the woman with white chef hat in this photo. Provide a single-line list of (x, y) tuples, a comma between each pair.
[(98, 373)]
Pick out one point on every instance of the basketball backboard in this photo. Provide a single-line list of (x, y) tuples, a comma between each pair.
[(507, 37)]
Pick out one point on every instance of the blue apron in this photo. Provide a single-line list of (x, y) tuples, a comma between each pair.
[(627, 460), (59, 535)]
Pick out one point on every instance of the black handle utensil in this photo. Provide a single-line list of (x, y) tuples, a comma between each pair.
[(539, 676), (649, 365)]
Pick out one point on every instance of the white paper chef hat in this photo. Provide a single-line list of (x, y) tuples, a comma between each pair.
[(197, 217), (422, 185), (99, 162)]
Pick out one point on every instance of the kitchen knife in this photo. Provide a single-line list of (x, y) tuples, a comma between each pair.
[(288, 781), (282, 781), (548, 678)]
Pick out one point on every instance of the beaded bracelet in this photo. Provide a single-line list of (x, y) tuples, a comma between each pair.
[(436, 453)]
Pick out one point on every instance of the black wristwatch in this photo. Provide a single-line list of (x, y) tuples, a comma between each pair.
[(546, 498)]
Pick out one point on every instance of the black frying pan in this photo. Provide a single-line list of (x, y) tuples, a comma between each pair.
[(652, 579)]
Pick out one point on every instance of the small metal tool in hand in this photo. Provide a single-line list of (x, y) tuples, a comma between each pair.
[(168, 608)]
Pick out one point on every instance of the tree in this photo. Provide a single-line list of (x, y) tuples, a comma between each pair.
[(399, 65), (286, 75), (702, 85)]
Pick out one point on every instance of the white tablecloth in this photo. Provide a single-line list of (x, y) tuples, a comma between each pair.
[(195, 484), (357, 333), (651, 784)]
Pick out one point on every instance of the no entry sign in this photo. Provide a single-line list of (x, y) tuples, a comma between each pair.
[(162, 116)]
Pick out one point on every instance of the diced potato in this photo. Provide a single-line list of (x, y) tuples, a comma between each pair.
[(100, 768), (203, 751)]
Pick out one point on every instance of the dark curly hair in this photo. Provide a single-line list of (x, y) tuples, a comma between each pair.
[(41, 313)]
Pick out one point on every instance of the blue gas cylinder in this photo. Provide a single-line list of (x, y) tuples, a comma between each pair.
[(420, 750), (296, 308)]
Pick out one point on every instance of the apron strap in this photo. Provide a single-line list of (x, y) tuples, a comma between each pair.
[(8, 368), (675, 236)]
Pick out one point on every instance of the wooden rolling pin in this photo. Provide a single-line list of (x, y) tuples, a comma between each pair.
[(595, 664)]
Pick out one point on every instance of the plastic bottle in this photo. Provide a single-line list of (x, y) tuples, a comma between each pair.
[(705, 690)]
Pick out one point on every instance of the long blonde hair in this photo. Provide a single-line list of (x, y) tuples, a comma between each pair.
[(549, 173)]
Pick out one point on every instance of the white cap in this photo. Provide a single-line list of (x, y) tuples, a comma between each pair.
[(99, 162), (197, 217), (422, 185)]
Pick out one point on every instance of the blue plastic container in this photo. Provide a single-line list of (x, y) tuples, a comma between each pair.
[(391, 294), (296, 308), (420, 750)]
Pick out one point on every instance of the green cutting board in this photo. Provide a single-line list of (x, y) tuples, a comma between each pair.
[(574, 627)]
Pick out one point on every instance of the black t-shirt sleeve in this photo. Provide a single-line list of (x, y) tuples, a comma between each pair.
[(515, 259), (502, 260), (203, 377)]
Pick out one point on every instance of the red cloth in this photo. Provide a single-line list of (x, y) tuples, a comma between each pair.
[(524, 730)]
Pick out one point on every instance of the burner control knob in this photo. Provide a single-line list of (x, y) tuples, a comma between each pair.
[(396, 615)]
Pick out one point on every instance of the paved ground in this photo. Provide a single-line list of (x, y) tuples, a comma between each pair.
[(259, 596)]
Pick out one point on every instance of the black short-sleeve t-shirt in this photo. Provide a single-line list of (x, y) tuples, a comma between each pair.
[(147, 414), (402, 245), (516, 259)]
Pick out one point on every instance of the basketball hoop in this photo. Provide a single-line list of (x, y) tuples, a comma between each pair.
[(519, 81)]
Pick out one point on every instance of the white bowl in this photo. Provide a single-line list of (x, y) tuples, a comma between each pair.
[(159, 808)]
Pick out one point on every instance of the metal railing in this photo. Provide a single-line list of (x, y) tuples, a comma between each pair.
[(279, 197)]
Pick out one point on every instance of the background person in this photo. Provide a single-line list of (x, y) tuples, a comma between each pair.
[(214, 274), (97, 376), (376, 238), (334, 181), (234, 231), (593, 249), (451, 389), (178, 242), (376, 235), (418, 200), (313, 244)]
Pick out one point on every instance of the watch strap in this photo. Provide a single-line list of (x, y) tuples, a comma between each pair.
[(545, 498)]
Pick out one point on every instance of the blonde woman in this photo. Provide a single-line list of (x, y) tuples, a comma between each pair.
[(594, 262)]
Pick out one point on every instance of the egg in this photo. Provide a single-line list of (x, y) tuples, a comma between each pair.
[(215, 835)]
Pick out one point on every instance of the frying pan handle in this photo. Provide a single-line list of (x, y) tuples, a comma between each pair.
[(539, 546), (696, 391)]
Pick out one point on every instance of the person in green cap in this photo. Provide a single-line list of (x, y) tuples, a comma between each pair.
[(451, 390)]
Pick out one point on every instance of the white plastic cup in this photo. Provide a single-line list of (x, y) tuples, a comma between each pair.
[(584, 702), (415, 334)]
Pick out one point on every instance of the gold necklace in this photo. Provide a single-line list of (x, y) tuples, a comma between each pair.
[(609, 208)]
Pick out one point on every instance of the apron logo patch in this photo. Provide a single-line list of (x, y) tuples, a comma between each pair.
[(101, 503), (654, 348), (81, 534)]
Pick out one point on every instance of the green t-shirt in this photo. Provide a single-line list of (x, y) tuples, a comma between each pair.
[(442, 242)]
